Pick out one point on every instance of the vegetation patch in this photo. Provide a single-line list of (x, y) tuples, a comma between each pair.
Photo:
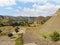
[(10, 34), (55, 36), (19, 41), (16, 29)]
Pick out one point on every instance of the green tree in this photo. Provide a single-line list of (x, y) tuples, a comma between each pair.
[(22, 23), (10, 34), (0, 31), (16, 29), (55, 36)]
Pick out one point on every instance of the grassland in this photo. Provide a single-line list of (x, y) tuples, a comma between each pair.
[(19, 41)]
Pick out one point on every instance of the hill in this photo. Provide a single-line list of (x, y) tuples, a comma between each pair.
[(9, 20), (37, 34), (53, 24)]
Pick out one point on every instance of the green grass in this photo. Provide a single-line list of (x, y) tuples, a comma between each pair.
[(19, 41)]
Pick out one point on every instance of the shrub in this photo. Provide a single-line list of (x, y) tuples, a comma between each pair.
[(10, 34), (16, 29), (22, 23), (55, 36), (15, 24), (44, 36), (0, 31), (42, 22)]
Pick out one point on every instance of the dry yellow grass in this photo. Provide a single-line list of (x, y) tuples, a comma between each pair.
[(53, 24), (36, 34)]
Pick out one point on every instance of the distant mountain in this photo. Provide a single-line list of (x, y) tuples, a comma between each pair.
[(21, 17), (30, 20)]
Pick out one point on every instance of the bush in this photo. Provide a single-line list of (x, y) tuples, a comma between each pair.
[(44, 36), (22, 23), (15, 24), (42, 22), (55, 36), (0, 31), (10, 34), (16, 29)]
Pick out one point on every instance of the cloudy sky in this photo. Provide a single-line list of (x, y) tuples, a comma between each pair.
[(28, 7)]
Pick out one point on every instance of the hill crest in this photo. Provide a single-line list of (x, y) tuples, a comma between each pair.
[(52, 24)]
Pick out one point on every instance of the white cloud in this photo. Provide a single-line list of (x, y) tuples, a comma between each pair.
[(7, 2), (34, 1), (9, 8), (40, 9), (37, 10), (19, 7), (17, 11), (57, 1), (39, 1), (58, 6)]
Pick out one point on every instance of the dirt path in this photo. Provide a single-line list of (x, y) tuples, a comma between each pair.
[(4, 40)]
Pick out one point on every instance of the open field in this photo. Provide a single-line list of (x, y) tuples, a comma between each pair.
[(5, 40), (7, 29), (36, 35)]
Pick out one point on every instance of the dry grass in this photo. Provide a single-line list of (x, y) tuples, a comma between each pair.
[(53, 24)]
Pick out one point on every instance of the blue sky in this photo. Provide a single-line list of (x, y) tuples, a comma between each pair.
[(29, 7)]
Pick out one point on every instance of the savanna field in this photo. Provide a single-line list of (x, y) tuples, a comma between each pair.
[(21, 32), (40, 31), (29, 22)]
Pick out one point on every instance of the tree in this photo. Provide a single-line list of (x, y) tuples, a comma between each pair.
[(22, 23), (10, 34), (16, 29), (0, 31), (55, 36)]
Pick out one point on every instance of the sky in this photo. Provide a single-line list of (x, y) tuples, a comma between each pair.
[(29, 7)]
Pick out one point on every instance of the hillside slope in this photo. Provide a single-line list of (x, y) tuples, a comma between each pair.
[(53, 24), (34, 35)]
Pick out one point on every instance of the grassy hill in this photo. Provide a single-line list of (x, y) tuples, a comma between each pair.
[(36, 34), (53, 24)]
